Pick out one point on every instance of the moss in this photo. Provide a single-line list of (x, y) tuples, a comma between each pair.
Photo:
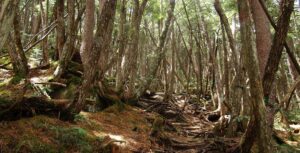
[(16, 79), (157, 126), (4, 60), (33, 145), (294, 115), (75, 80), (285, 148), (4, 102), (76, 137), (4, 83)]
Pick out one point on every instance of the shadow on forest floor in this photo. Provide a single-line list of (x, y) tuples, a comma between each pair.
[(180, 125)]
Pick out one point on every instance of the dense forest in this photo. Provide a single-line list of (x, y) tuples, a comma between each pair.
[(139, 76)]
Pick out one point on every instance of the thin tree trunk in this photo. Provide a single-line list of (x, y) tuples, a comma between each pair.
[(162, 39), (44, 17), (103, 36), (69, 48), (122, 45), (60, 30), (131, 70), (277, 46)]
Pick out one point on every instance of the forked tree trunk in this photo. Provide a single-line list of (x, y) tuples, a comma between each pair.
[(89, 60), (286, 8), (69, 48)]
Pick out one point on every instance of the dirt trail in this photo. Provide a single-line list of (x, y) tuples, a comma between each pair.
[(193, 131)]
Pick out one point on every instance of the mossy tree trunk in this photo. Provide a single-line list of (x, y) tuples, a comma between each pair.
[(16, 52)]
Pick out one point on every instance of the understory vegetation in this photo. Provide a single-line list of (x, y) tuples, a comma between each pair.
[(139, 76)]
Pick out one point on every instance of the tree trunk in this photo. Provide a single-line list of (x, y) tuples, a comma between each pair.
[(237, 85), (263, 34), (277, 46), (154, 67), (69, 48), (89, 60), (44, 17), (103, 36), (257, 128), (60, 30), (275, 56), (17, 54), (130, 73), (122, 45)]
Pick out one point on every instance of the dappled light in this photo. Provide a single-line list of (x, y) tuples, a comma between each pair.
[(149, 76)]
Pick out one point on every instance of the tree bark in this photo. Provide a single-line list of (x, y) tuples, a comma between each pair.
[(263, 34), (131, 63), (89, 60), (69, 48), (17, 54), (122, 45), (161, 53), (277, 46), (60, 30), (103, 36), (257, 128)]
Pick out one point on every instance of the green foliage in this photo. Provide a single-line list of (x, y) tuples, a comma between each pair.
[(33, 145), (16, 79), (73, 137), (294, 115), (285, 148), (79, 118)]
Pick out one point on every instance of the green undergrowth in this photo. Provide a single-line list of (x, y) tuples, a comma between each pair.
[(46, 135), (285, 148), (294, 115), (87, 134)]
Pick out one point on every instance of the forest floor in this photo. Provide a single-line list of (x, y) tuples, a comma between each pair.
[(180, 125)]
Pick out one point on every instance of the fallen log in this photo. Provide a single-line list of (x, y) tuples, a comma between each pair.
[(30, 106)]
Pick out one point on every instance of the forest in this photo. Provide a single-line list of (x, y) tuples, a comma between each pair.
[(149, 76)]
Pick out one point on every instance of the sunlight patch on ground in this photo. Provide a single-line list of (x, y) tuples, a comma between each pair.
[(41, 79), (117, 139)]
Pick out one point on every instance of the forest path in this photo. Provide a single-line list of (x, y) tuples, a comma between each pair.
[(187, 127)]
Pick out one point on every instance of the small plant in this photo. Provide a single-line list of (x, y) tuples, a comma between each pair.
[(16, 79), (73, 137)]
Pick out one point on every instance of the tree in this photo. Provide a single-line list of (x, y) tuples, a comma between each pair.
[(16, 53), (257, 127), (160, 50), (89, 60), (60, 31), (68, 49), (263, 34), (131, 62), (286, 8)]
